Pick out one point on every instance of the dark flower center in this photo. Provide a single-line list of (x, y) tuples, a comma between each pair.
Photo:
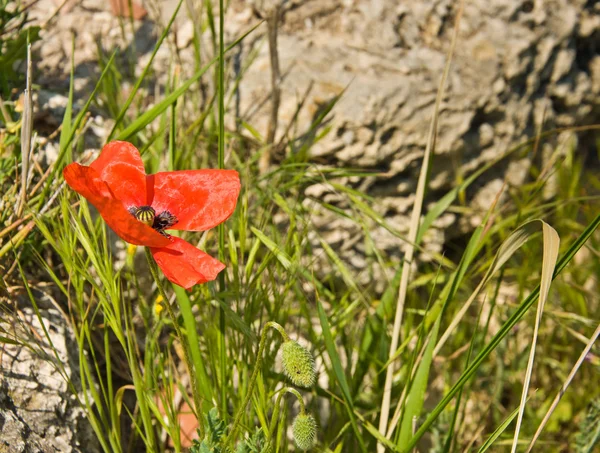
[(147, 215), (144, 214)]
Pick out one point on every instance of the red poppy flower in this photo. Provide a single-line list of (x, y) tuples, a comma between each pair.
[(140, 207)]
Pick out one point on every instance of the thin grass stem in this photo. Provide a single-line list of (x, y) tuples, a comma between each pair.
[(412, 237)]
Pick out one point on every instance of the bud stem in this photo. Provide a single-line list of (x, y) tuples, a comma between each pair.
[(275, 416)]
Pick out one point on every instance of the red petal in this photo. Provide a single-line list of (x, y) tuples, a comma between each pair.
[(121, 167), (185, 265), (200, 199), (86, 182)]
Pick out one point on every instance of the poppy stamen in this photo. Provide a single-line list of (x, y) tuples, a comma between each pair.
[(147, 215), (164, 221)]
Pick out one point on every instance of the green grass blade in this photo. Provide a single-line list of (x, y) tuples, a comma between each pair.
[(237, 322), (281, 256), (142, 76), (508, 248), (78, 119), (339, 373), (6, 340), (349, 279), (68, 116), (446, 201), (498, 432), (502, 333), (84, 110), (416, 396), (149, 116), (549, 257), (379, 437), (593, 437), (450, 437), (414, 226), (173, 131)]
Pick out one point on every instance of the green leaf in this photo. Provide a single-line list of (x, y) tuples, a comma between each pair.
[(252, 131), (189, 321), (6, 340), (416, 395)]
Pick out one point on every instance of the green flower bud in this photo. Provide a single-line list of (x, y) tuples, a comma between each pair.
[(305, 431), (298, 364)]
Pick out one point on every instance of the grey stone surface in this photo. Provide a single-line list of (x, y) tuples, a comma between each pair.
[(516, 62), (38, 412)]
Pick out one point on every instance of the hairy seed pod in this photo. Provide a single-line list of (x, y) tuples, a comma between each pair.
[(305, 431), (298, 364)]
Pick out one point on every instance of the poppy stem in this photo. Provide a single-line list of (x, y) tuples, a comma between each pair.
[(182, 340), (252, 383), (221, 228)]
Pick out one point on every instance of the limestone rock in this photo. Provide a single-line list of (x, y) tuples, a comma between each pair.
[(514, 61), (38, 413)]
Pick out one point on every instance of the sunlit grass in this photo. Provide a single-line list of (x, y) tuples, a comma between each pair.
[(469, 315)]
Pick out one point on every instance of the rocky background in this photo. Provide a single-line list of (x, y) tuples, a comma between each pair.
[(38, 412), (519, 66)]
